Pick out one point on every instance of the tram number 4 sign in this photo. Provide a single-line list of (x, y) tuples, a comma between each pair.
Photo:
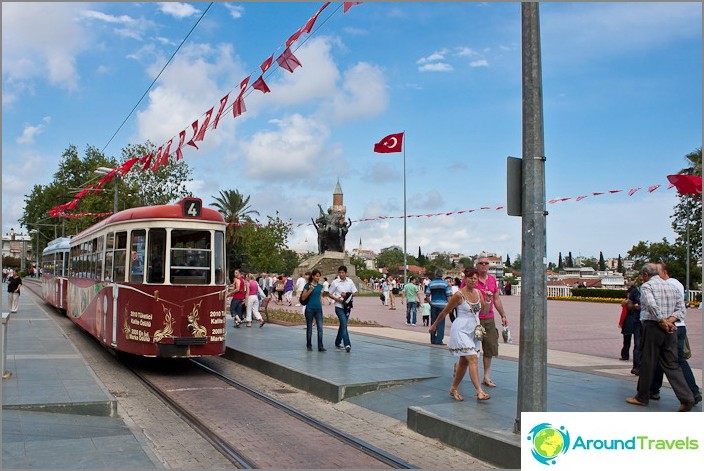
[(192, 207)]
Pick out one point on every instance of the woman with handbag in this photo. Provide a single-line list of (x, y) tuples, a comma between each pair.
[(466, 332)]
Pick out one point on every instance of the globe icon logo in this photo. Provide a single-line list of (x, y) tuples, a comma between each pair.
[(548, 442)]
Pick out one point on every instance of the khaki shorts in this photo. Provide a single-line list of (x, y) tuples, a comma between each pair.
[(490, 342)]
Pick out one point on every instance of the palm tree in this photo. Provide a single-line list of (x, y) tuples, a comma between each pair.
[(235, 209)]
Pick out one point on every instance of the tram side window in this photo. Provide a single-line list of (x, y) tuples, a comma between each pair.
[(137, 248), (157, 256), (118, 272), (190, 257), (219, 258), (59, 268)]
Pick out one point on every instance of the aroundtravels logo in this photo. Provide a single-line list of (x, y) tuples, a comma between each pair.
[(548, 442)]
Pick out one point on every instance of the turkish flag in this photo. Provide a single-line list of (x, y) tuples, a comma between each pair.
[(389, 144), (687, 184)]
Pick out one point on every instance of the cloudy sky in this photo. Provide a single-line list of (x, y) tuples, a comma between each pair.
[(622, 105)]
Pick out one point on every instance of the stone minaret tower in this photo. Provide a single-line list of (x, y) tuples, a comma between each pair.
[(337, 207)]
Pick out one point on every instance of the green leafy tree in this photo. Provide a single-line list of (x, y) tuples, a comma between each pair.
[(358, 262), (602, 262), (591, 262), (390, 259), (619, 265), (466, 262), (73, 175), (569, 263), (508, 261), (559, 261), (236, 211), (517, 262), (688, 211), (442, 261), (263, 247), (149, 188), (674, 255)]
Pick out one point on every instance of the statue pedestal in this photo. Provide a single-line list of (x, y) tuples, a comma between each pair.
[(328, 264)]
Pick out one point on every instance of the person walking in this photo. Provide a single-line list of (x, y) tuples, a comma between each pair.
[(438, 292), (385, 292), (14, 283), (252, 295), (342, 289), (300, 283), (629, 323), (310, 295), (469, 302), (288, 290), (410, 292), (490, 343), (661, 306), (237, 303), (393, 291), (681, 359)]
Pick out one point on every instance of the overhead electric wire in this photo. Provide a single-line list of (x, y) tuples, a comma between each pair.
[(159, 75)]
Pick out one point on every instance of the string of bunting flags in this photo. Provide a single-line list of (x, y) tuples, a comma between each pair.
[(152, 161), (685, 185)]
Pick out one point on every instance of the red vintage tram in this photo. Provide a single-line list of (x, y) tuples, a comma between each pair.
[(149, 281)]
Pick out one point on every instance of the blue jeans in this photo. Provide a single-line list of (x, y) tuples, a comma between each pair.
[(439, 334), (684, 365), (317, 314), (411, 310), (343, 337)]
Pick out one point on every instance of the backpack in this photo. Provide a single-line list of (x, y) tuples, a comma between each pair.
[(304, 302)]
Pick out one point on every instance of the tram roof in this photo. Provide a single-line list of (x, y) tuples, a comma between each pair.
[(166, 211)]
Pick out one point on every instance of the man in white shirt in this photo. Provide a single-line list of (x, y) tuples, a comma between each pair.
[(300, 283), (681, 336), (342, 290)]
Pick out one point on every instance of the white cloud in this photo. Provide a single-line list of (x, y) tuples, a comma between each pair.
[(236, 11), (436, 67), (364, 94), (193, 83), (41, 41), (178, 10), (479, 63), (465, 51), (30, 132), (435, 56), (295, 148), (97, 15)]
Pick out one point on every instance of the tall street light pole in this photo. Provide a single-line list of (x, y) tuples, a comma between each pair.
[(532, 362), (105, 171)]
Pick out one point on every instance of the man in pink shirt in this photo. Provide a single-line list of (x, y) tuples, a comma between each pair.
[(490, 342)]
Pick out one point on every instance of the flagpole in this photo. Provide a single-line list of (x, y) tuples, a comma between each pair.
[(405, 265)]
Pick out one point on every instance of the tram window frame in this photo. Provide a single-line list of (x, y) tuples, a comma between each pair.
[(156, 256), (219, 258), (187, 246), (119, 257), (138, 247)]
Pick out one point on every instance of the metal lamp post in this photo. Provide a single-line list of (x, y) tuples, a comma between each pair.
[(105, 171)]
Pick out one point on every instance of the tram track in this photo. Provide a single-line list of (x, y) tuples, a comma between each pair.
[(250, 428)]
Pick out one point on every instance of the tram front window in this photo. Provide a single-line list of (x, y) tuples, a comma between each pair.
[(190, 257)]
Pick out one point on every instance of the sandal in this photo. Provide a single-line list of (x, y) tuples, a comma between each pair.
[(261, 323), (249, 324), (456, 395), (489, 383), (482, 396)]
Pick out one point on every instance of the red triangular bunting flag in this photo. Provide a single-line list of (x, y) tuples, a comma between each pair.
[(615, 191), (267, 63), (309, 24), (293, 37), (632, 191), (348, 5), (238, 107), (181, 139), (194, 125), (223, 103), (127, 165), (204, 126), (653, 188), (261, 85), (288, 61), (580, 198)]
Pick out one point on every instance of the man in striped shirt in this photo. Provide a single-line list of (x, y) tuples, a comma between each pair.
[(661, 306)]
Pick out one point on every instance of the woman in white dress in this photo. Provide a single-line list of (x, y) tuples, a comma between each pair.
[(469, 301)]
